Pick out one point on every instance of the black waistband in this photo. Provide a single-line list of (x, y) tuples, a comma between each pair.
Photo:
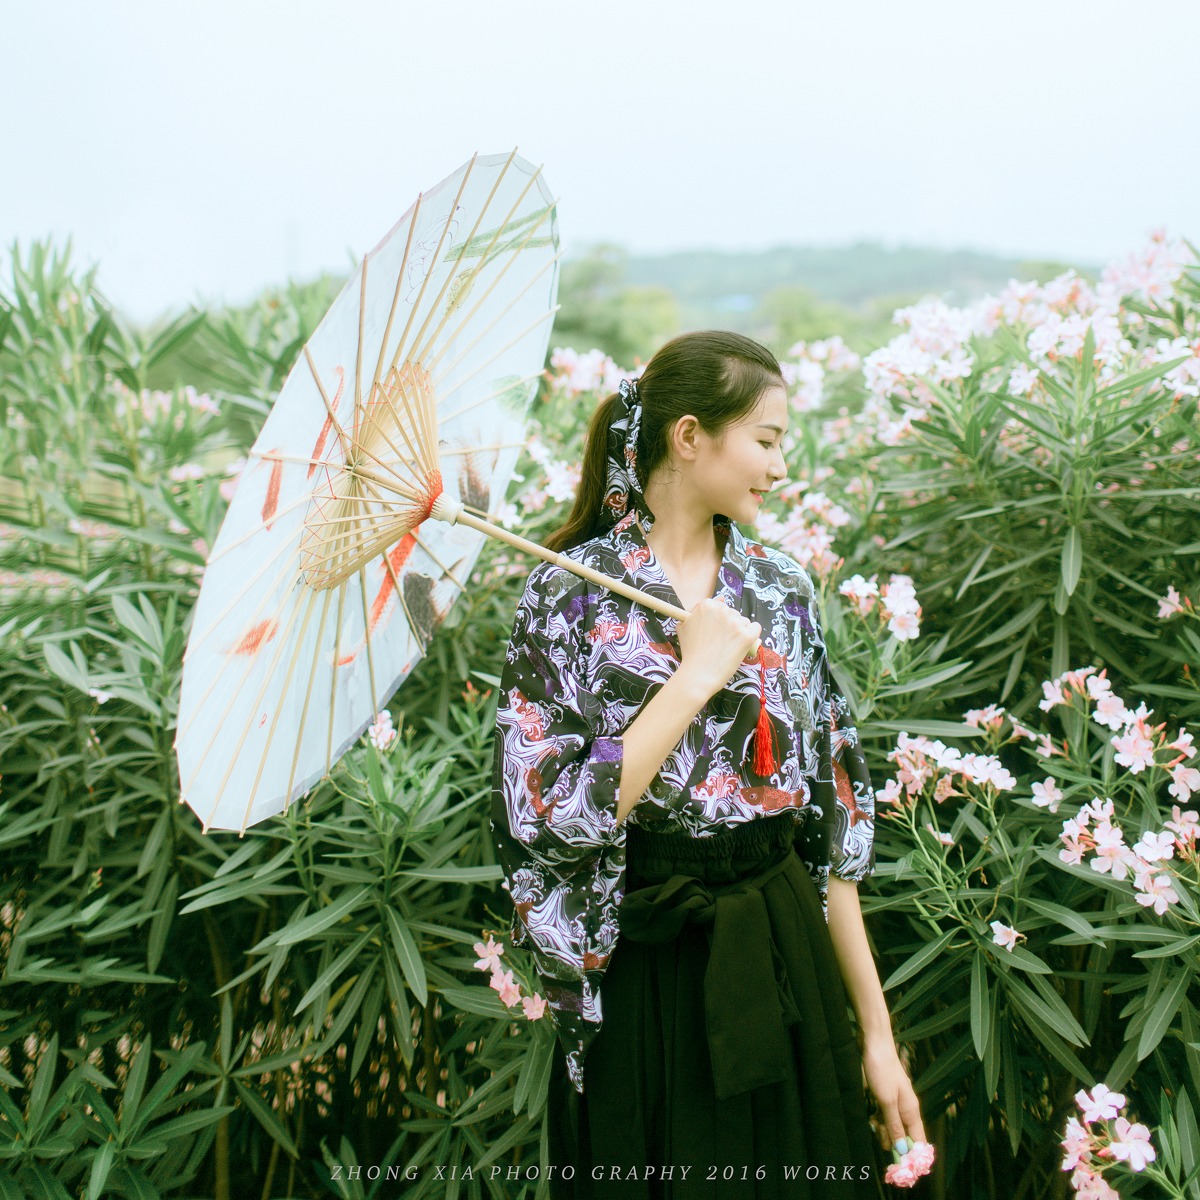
[(736, 849)]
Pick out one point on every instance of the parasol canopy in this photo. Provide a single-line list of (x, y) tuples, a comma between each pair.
[(328, 578)]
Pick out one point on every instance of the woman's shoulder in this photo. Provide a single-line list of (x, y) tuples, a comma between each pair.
[(553, 581), (778, 568)]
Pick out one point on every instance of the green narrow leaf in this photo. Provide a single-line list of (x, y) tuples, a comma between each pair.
[(1024, 618), (1072, 560), (482, 1001), (160, 926), (315, 922), (134, 1184), (1019, 957), (266, 1116), (1054, 1014), (398, 1010), (101, 1165), (409, 955), (926, 954), (62, 666), (368, 1025), (1189, 1135), (487, 874), (1066, 916), (1163, 1013), (1014, 1089), (42, 1081), (335, 969), (981, 1006)]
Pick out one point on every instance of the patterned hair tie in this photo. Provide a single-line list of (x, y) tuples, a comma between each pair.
[(622, 490)]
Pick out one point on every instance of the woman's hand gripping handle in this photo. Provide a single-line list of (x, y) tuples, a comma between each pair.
[(713, 642)]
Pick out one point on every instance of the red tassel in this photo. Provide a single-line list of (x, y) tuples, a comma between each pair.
[(765, 750)]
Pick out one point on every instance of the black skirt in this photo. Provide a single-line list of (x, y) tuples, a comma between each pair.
[(726, 1065)]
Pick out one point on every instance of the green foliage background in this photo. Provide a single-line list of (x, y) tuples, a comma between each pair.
[(188, 1015)]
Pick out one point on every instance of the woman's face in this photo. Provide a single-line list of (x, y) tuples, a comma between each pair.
[(746, 458)]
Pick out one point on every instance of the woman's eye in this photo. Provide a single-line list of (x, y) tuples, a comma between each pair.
[(767, 444)]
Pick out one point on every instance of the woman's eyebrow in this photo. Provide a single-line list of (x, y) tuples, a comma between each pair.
[(773, 428)]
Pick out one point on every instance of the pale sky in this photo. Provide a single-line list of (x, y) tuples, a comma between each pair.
[(201, 151)]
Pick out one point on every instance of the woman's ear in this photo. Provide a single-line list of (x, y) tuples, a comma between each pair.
[(685, 437)]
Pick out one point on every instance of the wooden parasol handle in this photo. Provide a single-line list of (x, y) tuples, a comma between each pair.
[(445, 509)]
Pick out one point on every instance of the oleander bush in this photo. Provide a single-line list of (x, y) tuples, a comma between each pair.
[(1001, 513)]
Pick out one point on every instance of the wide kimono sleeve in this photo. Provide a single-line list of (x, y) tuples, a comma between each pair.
[(556, 777), (840, 831)]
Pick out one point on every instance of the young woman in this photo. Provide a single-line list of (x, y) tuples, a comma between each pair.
[(683, 820)]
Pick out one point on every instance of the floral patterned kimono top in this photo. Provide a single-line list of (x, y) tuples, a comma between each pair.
[(581, 664)]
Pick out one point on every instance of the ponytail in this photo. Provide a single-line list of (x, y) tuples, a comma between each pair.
[(587, 520)]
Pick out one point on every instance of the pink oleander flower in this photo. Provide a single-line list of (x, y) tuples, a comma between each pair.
[(900, 607), (562, 480), (986, 769), (1185, 825), (1005, 935), (1111, 712), (1053, 693), (905, 627), (1169, 605), (1155, 847), (1077, 1145), (534, 1006), (989, 718), (1091, 1185), (862, 593), (1047, 795), (233, 473), (1112, 854), (1134, 748), (1132, 1144), (944, 838), (1100, 1104), (1156, 892), (890, 793), (1047, 748), (944, 789), (502, 981), (1022, 380), (489, 955), (382, 734), (1184, 781), (592, 371)]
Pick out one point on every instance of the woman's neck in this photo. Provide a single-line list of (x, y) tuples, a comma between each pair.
[(684, 542)]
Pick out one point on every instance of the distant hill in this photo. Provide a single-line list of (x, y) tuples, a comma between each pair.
[(719, 282)]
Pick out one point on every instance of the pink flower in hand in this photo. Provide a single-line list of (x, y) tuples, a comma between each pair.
[(910, 1166)]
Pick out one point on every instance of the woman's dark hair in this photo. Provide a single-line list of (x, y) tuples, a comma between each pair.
[(715, 376)]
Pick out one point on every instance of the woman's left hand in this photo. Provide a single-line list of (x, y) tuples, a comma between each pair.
[(893, 1091)]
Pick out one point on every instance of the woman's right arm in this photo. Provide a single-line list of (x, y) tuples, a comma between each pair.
[(559, 787), (713, 641)]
